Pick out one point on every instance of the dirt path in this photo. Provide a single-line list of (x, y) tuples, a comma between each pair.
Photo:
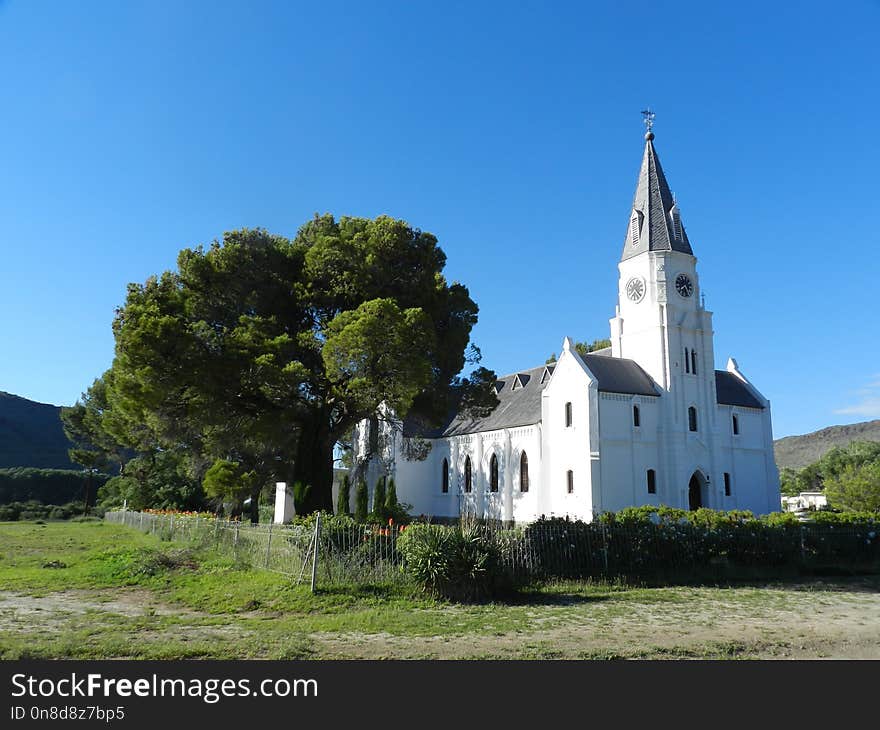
[(827, 625), (741, 623)]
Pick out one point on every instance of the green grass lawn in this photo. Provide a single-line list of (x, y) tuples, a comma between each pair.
[(96, 590)]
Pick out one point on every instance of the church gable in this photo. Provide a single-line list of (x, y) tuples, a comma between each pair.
[(569, 371)]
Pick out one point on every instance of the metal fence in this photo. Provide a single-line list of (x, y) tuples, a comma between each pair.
[(677, 552), (331, 553)]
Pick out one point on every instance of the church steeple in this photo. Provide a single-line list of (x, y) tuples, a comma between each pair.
[(655, 222)]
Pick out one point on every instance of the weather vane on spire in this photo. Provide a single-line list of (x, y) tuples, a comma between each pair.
[(648, 118)]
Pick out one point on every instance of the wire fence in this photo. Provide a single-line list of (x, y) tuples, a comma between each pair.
[(329, 554), (332, 553)]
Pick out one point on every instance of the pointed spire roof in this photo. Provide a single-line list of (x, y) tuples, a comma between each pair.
[(655, 223)]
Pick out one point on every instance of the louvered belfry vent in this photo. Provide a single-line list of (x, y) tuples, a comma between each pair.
[(676, 224), (634, 228)]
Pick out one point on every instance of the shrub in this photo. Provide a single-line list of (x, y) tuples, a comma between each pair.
[(33, 510), (398, 512), (391, 504), (300, 496), (461, 563), (342, 499), (47, 486), (10, 512), (379, 500), (360, 502)]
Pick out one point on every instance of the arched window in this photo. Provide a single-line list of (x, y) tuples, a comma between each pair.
[(687, 360), (493, 473), (568, 414), (652, 481), (693, 362), (692, 418), (523, 473), (445, 476), (467, 474), (569, 481), (637, 421), (735, 425)]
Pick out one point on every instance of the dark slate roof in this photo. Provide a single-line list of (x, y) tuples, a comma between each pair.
[(653, 201), (731, 391), (618, 375), (516, 407), (521, 405)]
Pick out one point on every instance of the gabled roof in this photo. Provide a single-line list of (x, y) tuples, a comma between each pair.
[(619, 375), (652, 204), (521, 406), (731, 391)]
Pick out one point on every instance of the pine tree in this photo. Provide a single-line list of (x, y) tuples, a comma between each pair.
[(360, 501), (342, 499), (379, 500), (391, 506)]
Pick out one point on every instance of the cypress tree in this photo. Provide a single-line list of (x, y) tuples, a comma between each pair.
[(360, 501), (342, 499), (391, 499), (300, 496), (379, 500)]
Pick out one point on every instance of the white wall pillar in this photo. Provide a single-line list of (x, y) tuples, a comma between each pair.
[(507, 484), (284, 507)]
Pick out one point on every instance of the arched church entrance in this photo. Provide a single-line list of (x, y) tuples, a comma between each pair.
[(695, 491)]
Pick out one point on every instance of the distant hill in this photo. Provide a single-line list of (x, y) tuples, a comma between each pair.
[(799, 451), (31, 434)]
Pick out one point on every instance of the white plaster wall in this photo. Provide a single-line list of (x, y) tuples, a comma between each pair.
[(508, 503), (754, 477), (524, 505), (420, 483), (627, 452), (572, 447)]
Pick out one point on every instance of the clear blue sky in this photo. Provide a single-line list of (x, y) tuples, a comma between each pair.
[(509, 130)]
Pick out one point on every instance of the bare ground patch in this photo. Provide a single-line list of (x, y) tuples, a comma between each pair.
[(810, 624), (696, 623), (18, 607)]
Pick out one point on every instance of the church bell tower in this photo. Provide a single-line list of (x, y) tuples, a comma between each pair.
[(661, 321)]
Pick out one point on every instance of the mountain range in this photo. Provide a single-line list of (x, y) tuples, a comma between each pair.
[(31, 434)]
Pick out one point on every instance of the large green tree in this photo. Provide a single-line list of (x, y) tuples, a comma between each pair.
[(855, 488), (264, 352), (93, 447), (830, 467)]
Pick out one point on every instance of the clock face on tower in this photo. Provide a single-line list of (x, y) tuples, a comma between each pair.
[(635, 288), (683, 285)]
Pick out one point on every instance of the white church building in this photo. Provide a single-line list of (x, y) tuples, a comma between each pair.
[(649, 421)]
